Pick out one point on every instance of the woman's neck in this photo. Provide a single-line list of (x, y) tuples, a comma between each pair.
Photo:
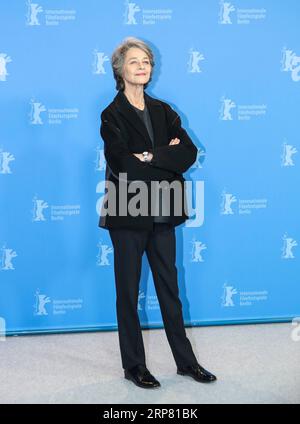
[(135, 96)]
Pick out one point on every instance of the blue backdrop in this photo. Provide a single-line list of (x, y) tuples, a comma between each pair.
[(232, 72)]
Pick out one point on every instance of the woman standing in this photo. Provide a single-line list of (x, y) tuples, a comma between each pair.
[(144, 142)]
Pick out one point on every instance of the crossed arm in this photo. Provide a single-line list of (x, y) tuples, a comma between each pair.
[(140, 155), (166, 161)]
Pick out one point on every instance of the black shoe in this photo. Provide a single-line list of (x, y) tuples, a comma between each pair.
[(141, 377), (197, 372)]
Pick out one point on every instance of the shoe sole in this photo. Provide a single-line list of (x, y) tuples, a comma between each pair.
[(141, 385), (190, 375)]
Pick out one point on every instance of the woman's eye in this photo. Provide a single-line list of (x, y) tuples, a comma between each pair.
[(145, 61)]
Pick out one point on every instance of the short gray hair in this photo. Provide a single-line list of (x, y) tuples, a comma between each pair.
[(118, 59)]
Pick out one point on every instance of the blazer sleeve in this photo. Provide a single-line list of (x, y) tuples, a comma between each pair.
[(120, 159), (176, 157)]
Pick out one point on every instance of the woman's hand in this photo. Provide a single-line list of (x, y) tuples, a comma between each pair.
[(141, 157), (174, 141)]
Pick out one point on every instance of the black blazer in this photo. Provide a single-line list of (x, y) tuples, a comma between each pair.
[(124, 133)]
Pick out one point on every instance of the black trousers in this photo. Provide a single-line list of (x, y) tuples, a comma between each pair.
[(160, 246)]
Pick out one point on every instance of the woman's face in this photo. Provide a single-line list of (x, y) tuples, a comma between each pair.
[(137, 67)]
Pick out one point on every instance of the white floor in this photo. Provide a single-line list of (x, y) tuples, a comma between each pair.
[(254, 364)]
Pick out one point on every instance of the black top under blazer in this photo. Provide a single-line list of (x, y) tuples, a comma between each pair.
[(124, 133)]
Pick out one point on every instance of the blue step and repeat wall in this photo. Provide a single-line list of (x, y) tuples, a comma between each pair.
[(232, 72)]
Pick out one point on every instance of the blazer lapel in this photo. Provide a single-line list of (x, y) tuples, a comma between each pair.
[(126, 109)]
